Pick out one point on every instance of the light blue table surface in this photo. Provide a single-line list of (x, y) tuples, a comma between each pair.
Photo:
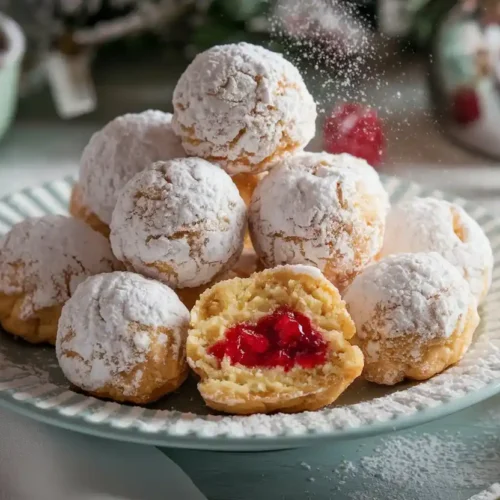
[(463, 451)]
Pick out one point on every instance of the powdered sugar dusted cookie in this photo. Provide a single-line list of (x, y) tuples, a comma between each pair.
[(243, 107), (125, 146), (182, 222), (123, 337), (432, 225), (415, 315), (320, 209), (42, 260)]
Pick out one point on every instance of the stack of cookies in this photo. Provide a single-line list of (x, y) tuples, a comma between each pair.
[(139, 284)]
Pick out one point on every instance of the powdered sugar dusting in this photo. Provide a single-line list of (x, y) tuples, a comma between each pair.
[(181, 221), (308, 270), (408, 294), (244, 107), (334, 47), (432, 225), (314, 208), (46, 258), (126, 145), (105, 328)]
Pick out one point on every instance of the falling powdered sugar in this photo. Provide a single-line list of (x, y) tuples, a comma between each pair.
[(333, 46)]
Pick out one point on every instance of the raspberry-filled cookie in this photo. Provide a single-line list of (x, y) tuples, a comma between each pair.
[(319, 209), (415, 316), (42, 260), (243, 107), (276, 341), (123, 337)]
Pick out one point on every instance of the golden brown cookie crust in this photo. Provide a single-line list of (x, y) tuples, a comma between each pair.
[(122, 337), (78, 210), (40, 328), (397, 360), (172, 370), (41, 262)]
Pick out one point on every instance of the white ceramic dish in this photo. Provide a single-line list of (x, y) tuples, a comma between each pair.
[(31, 382)]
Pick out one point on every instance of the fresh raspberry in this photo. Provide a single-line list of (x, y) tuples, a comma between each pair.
[(357, 130), (465, 106)]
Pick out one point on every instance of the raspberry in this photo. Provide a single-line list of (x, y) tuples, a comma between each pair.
[(465, 106), (357, 130)]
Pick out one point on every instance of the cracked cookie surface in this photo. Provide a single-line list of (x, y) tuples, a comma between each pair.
[(42, 260), (319, 209), (415, 316), (243, 107), (122, 337), (126, 145), (433, 225), (181, 221)]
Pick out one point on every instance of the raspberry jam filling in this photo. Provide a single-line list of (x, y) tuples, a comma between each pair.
[(283, 338)]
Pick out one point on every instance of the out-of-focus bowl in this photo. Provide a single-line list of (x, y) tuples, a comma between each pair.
[(10, 68), (466, 75)]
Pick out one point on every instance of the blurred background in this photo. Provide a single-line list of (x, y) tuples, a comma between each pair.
[(420, 79)]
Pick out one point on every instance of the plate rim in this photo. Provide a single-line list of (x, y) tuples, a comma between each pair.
[(228, 442), (256, 443)]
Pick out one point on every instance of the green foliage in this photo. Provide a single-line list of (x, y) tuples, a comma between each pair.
[(226, 21), (427, 19), (243, 10)]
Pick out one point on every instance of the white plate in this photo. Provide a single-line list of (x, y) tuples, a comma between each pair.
[(31, 382)]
